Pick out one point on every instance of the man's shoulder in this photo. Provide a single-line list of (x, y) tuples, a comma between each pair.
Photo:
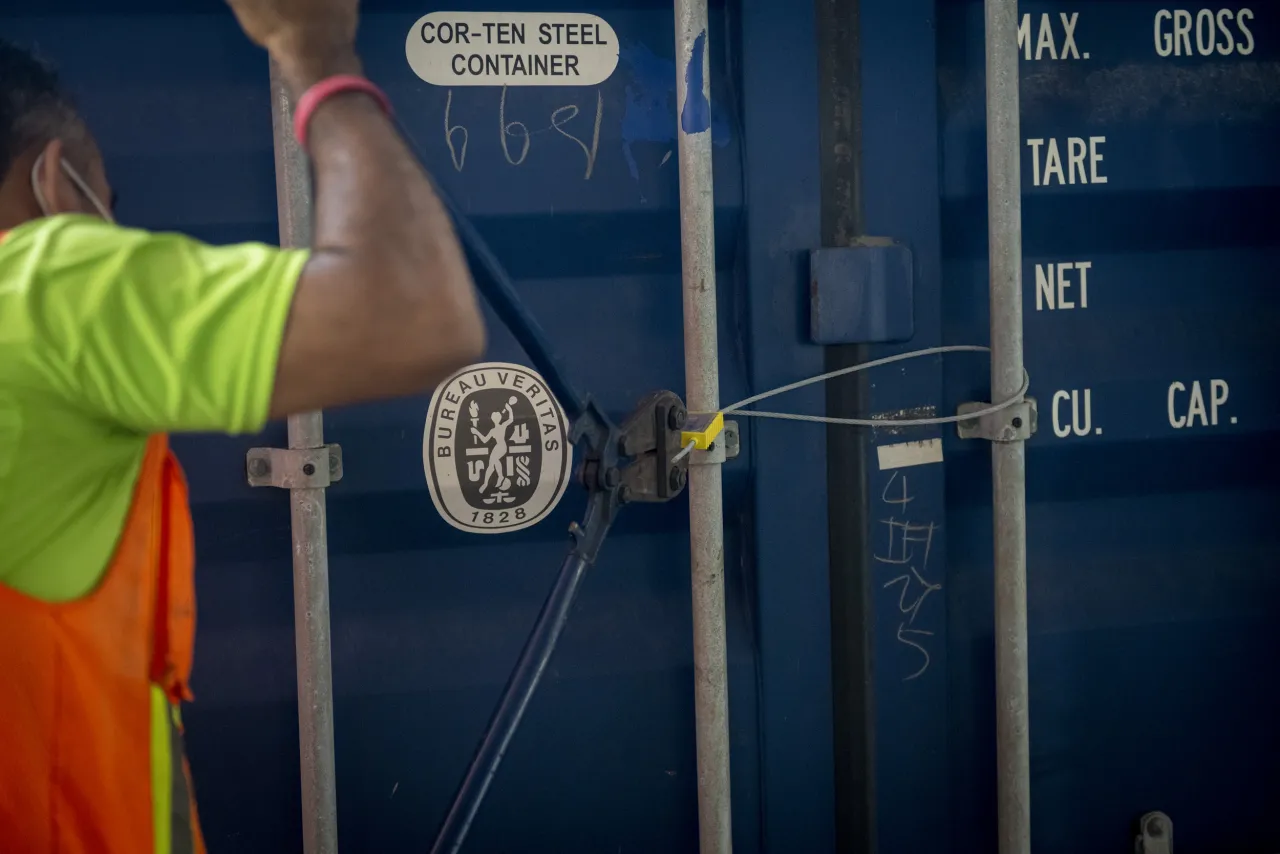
[(57, 273), (42, 262), (76, 229)]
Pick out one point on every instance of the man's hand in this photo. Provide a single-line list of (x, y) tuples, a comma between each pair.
[(310, 39)]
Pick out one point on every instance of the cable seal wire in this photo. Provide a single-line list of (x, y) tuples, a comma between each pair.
[(998, 406)]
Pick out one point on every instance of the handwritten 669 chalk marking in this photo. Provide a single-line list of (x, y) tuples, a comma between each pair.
[(495, 449)]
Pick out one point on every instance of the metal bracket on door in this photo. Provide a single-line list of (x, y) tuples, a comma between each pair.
[(301, 468), (1016, 423), (1155, 834), (726, 447)]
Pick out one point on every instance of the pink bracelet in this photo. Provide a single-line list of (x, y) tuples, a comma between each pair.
[(326, 89)]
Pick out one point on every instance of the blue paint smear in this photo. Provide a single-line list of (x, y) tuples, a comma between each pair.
[(696, 115), (650, 114)]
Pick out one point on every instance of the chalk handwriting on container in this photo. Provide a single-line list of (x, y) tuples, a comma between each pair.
[(910, 544), (512, 49), (495, 449)]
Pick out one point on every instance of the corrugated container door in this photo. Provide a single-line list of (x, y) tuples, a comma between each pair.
[(575, 187), (1149, 245)]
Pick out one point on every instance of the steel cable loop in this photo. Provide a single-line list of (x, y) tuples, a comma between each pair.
[(999, 406)]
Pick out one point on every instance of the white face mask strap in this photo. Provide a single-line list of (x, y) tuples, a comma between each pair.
[(80, 183), (35, 185)]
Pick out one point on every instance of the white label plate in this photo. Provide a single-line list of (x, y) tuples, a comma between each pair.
[(906, 454), (512, 49)]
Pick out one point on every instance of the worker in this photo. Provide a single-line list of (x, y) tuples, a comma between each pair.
[(111, 338)]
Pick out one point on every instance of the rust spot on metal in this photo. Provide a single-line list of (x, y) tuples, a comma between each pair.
[(909, 413)]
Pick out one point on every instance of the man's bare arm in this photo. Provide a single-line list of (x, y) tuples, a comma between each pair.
[(385, 306)]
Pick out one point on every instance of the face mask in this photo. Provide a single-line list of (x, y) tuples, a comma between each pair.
[(80, 183)]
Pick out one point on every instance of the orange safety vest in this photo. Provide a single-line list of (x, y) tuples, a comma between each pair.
[(89, 692)]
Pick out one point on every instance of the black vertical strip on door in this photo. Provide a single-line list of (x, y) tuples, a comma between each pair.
[(847, 510)]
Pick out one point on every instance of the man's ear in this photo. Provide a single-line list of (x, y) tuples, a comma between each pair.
[(52, 184)]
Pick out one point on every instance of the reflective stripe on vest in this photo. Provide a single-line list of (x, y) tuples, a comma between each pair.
[(91, 759), (173, 815)]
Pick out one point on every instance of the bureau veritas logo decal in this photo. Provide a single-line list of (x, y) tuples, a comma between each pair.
[(495, 449)]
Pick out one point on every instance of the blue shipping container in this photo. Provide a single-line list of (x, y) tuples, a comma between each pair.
[(862, 697)]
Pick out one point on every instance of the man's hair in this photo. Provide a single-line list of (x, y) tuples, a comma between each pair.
[(34, 107)]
